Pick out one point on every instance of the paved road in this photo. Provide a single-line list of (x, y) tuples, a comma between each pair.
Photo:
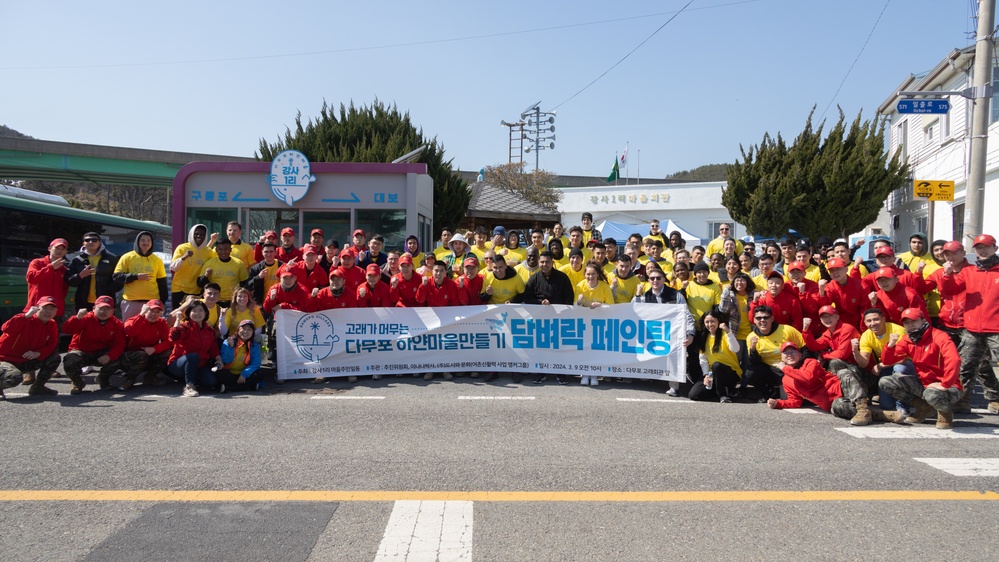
[(402, 470)]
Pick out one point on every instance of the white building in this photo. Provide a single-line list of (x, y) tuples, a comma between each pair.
[(694, 207), (938, 147)]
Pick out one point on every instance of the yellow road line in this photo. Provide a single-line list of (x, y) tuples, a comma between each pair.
[(483, 496)]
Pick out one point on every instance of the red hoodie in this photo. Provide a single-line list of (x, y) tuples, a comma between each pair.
[(90, 336), (892, 303), (22, 334), (851, 301), (786, 307), (192, 338), (981, 304), (315, 279), (404, 293), (296, 298), (430, 294), (809, 381), (951, 304), (141, 333), (935, 357), (44, 281), (470, 289), (834, 344), (325, 300), (376, 297)]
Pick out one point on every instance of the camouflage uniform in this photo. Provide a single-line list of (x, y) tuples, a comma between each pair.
[(853, 382), (136, 361), (907, 388), (74, 362), (976, 363), (12, 375)]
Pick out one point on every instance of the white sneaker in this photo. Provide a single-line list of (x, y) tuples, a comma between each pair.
[(671, 392), (594, 381), (584, 380), (189, 392)]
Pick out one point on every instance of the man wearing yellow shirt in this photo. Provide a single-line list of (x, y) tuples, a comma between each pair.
[(225, 271), (765, 368), (240, 250), (574, 269), (702, 294), (918, 251), (444, 249), (623, 281), (142, 274), (188, 259), (867, 353), (502, 285), (530, 264), (717, 246), (576, 242), (589, 232)]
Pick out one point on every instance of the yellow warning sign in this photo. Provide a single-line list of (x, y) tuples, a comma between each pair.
[(934, 190)]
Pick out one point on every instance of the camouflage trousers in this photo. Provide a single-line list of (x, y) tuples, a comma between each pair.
[(854, 382), (906, 388), (74, 362), (978, 352), (12, 375), (136, 361)]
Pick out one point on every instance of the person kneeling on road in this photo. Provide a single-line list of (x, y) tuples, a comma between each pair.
[(241, 356), (147, 345), (98, 339), (30, 341), (844, 394), (194, 347)]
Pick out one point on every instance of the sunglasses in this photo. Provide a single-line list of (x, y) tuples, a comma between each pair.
[(657, 278), (762, 318), (88, 240)]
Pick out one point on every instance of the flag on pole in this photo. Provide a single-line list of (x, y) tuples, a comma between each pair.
[(614, 172), (624, 158)]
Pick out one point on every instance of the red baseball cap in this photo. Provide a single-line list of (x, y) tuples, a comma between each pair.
[(336, 273), (309, 249), (155, 303), (986, 239), (884, 273), (884, 251), (315, 230), (788, 345), (471, 261), (406, 259), (835, 263), (953, 246), (346, 254), (796, 265), (46, 301), (287, 230), (285, 270), (358, 232), (776, 274), (64, 243), (272, 234), (104, 301), (373, 269), (912, 314), (827, 310)]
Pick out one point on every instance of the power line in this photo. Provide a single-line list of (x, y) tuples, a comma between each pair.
[(869, 35), (625, 56), (372, 47)]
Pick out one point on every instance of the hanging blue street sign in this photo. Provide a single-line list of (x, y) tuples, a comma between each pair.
[(923, 106)]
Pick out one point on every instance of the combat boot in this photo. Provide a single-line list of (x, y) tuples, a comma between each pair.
[(78, 384), (922, 411), (128, 382), (38, 388), (893, 416), (103, 380), (963, 406), (945, 420), (864, 415), (994, 407), (29, 379)]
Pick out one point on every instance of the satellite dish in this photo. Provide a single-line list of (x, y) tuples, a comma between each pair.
[(530, 109)]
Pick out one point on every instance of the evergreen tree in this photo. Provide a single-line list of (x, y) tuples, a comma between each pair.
[(834, 186), (378, 133)]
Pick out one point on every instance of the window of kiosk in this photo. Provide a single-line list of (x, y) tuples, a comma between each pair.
[(262, 220), (334, 224), (390, 224), (215, 219)]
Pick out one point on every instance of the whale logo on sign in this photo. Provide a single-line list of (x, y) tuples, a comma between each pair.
[(314, 337), (290, 176)]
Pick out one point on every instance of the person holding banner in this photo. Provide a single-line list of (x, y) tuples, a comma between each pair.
[(503, 286), (661, 294), (470, 283), (593, 290), (548, 285)]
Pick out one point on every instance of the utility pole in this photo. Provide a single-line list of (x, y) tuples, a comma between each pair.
[(975, 195)]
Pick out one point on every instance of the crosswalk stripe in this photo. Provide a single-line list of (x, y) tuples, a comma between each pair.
[(920, 432), (495, 398), (325, 397), (671, 400), (430, 531), (965, 467), (803, 410)]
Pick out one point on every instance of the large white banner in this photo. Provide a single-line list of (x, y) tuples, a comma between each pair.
[(639, 340)]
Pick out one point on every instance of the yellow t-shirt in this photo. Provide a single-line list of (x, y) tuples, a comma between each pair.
[(227, 274), (519, 254), (600, 293), (481, 254), (724, 355), (233, 318), (933, 297), (574, 276), (442, 251), (717, 246), (769, 346), (244, 253), (871, 343), (626, 288), (94, 260), (700, 299), (185, 279), (503, 289), (745, 326), (132, 262)]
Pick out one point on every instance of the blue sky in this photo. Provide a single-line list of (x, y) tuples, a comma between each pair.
[(215, 77)]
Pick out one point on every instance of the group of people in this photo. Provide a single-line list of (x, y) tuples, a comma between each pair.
[(796, 322)]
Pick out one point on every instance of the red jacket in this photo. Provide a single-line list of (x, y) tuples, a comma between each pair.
[(285, 255), (432, 295), (90, 336), (851, 301), (470, 289), (325, 300), (404, 293), (810, 302), (981, 299), (951, 304), (22, 334), (295, 299), (192, 338), (935, 357), (379, 296), (315, 279), (905, 277), (352, 278), (809, 381), (834, 344), (141, 333), (899, 299), (786, 307), (44, 281)]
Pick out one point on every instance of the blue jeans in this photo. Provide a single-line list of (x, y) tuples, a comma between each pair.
[(887, 401), (186, 368)]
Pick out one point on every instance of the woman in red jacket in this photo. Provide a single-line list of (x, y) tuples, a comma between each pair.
[(194, 348)]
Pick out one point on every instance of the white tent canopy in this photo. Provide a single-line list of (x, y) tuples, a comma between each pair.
[(620, 231)]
